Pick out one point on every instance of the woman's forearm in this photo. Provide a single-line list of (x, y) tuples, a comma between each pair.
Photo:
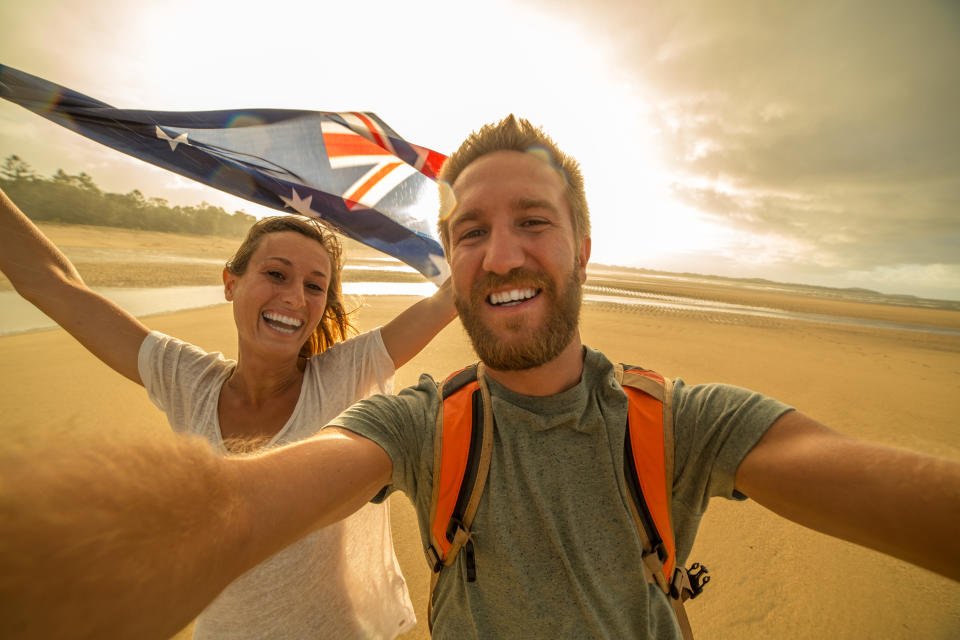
[(408, 333), (45, 277)]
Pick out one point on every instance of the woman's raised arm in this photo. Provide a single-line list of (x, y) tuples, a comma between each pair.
[(44, 276)]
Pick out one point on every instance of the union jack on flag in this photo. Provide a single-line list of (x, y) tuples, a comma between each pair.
[(348, 168)]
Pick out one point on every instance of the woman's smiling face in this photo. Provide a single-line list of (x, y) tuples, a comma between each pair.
[(280, 299)]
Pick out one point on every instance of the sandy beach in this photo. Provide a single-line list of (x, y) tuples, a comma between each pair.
[(770, 578)]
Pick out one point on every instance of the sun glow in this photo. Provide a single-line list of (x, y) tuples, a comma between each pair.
[(549, 70), (577, 93)]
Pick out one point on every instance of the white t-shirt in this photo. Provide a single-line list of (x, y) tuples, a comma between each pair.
[(342, 581)]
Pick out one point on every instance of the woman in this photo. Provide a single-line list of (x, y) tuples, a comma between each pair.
[(294, 372)]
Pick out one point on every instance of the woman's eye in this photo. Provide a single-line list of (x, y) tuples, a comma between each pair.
[(275, 275), (315, 287)]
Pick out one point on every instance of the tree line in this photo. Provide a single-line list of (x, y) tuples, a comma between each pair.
[(76, 199)]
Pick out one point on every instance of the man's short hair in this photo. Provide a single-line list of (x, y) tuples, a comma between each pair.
[(517, 134)]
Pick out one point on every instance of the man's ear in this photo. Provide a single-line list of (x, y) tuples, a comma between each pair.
[(229, 282), (583, 257)]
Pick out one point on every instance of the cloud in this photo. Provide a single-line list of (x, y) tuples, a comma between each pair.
[(830, 125), (848, 227)]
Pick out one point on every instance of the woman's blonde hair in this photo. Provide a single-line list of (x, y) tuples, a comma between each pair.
[(335, 323)]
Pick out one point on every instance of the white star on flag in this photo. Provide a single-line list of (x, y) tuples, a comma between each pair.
[(301, 205), (173, 141)]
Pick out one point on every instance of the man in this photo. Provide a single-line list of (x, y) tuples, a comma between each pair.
[(556, 549), (557, 553)]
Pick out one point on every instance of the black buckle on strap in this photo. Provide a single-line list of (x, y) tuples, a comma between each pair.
[(697, 574), (433, 559), (661, 550), (689, 583), (453, 526), (471, 561)]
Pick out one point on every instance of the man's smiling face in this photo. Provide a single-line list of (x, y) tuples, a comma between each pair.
[(516, 267)]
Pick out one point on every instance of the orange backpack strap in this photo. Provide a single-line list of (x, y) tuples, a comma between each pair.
[(645, 469), (462, 445), (648, 467)]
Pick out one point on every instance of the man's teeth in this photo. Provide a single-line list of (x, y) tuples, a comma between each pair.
[(512, 297), (284, 324)]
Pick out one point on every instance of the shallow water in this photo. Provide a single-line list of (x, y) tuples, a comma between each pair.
[(19, 316), (676, 303)]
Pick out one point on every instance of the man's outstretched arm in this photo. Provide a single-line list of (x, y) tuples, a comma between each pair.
[(901, 503), (134, 539)]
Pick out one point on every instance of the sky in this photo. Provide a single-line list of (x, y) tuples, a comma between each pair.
[(810, 142)]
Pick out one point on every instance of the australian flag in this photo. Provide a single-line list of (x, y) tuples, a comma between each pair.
[(347, 168)]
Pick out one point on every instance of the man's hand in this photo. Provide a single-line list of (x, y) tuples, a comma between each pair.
[(133, 539)]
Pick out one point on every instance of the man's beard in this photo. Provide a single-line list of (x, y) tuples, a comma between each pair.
[(534, 346)]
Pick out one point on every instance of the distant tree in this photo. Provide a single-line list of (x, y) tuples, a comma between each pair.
[(85, 181), (76, 199), (136, 198), (238, 223), (81, 181), (15, 168)]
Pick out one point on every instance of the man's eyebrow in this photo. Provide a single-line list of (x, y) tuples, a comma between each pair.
[(533, 203), (466, 216)]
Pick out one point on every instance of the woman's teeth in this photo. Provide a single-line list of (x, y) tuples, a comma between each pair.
[(282, 323)]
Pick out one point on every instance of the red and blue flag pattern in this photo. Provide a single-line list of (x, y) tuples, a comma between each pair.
[(349, 169)]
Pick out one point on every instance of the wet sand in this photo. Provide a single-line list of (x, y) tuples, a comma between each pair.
[(770, 578)]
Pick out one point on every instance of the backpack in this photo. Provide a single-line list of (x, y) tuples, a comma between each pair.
[(463, 439)]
